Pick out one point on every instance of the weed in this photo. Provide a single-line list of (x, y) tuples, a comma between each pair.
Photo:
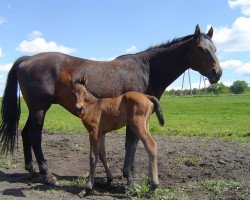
[(189, 161), (140, 191), (6, 163), (217, 188)]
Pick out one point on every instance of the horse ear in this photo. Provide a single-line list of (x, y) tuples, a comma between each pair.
[(197, 31), (84, 80), (210, 32)]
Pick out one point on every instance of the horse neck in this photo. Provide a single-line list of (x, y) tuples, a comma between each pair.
[(166, 65)]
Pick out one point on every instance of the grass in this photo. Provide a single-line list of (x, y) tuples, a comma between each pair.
[(224, 116), (206, 189), (218, 188), (141, 188), (7, 163)]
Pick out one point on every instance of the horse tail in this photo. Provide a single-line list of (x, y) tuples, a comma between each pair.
[(10, 110), (157, 109)]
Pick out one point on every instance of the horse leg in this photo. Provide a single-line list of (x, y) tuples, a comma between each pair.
[(27, 149), (130, 148), (139, 126), (102, 156), (36, 125)]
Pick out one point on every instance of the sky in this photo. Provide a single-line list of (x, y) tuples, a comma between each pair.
[(103, 30)]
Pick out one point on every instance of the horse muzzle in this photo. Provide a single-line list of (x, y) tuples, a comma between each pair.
[(214, 75)]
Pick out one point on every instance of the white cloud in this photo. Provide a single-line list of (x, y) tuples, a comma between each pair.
[(1, 52), (37, 44), (2, 20), (234, 39), (6, 67), (230, 64), (241, 68), (132, 49), (244, 70), (34, 34), (243, 4)]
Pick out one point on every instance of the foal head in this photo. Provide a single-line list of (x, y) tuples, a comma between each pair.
[(202, 56), (79, 94)]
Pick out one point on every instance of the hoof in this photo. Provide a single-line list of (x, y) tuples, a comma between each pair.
[(33, 174), (85, 193), (50, 180), (153, 187), (109, 180)]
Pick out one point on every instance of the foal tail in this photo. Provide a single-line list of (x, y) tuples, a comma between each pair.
[(10, 110), (157, 109)]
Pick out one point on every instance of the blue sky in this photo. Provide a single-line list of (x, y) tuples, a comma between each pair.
[(102, 30)]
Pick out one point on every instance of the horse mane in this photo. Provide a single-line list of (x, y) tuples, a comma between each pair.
[(167, 44)]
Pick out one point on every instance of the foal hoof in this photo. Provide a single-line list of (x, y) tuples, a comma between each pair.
[(50, 180)]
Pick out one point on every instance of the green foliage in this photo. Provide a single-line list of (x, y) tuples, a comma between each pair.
[(218, 88), (239, 87), (217, 188), (6, 163), (141, 188)]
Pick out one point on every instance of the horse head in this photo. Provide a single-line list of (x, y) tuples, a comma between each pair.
[(202, 56)]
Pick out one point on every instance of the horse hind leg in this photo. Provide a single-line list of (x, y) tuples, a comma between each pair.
[(130, 148), (27, 149)]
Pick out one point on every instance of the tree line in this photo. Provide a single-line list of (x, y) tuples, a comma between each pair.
[(238, 87)]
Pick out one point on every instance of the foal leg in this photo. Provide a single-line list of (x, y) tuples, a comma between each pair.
[(130, 148), (93, 157), (139, 126), (102, 156)]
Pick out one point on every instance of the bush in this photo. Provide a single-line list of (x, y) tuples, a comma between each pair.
[(239, 87), (218, 88)]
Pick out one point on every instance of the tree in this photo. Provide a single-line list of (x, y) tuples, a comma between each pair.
[(239, 87), (217, 88)]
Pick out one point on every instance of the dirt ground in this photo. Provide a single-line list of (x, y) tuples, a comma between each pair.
[(189, 168)]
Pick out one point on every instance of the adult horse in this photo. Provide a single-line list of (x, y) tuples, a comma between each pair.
[(43, 80)]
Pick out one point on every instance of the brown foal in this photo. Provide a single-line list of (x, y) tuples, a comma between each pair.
[(100, 116)]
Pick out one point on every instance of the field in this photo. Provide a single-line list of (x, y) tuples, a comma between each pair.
[(225, 116), (203, 153)]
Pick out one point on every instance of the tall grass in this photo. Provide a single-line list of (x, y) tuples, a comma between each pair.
[(219, 116)]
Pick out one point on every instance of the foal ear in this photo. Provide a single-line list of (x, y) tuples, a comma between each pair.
[(84, 80), (70, 81), (210, 32), (197, 31)]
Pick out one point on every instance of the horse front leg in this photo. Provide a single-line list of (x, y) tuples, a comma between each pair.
[(130, 149)]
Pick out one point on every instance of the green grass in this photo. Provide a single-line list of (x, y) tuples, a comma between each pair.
[(224, 116)]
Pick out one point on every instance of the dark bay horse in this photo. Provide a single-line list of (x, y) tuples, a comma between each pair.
[(102, 115), (43, 80)]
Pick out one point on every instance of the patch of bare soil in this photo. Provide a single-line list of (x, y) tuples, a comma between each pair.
[(189, 168)]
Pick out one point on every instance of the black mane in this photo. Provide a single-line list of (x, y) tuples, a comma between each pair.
[(169, 43), (162, 45)]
